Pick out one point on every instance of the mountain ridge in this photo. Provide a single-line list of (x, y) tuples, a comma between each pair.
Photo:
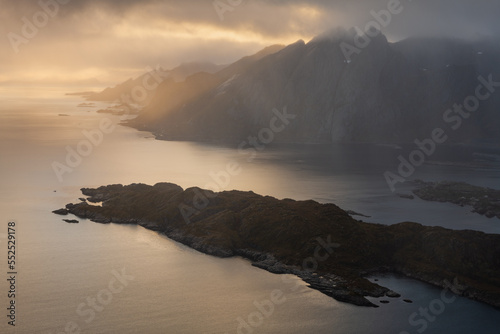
[(176, 74), (388, 93)]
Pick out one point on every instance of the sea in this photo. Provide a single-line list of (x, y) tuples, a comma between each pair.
[(95, 278)]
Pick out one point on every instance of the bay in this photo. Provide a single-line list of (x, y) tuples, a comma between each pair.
[(67, 272)]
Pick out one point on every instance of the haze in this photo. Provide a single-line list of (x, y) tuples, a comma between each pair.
[(102, 42)]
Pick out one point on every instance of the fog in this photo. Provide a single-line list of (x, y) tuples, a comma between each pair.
[(99, 42)]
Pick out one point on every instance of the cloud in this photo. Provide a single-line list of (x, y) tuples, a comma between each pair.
[(282, 17), (113, 38)]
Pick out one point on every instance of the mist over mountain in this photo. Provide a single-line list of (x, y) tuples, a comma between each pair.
[(339, 89), (179, 73)]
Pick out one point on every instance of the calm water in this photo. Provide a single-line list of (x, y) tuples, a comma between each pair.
[(168, 288)]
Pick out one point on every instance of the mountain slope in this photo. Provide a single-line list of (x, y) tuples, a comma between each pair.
[(387, 93), (179, 73), (175, 103)]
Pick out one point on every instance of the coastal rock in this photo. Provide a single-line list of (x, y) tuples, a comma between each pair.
[(406, 196), (273, 266), (392, 294), (62, 212), (148, 225)]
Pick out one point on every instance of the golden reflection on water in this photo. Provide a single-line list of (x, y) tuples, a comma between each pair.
[(176, 288)]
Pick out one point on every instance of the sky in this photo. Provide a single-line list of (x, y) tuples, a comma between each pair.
[(101, 42)]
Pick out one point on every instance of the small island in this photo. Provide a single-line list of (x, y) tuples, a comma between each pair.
[(86, 105), (320, 243), (119, 110), (484, 201)]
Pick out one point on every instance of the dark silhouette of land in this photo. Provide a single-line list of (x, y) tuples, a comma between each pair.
[(320, 243)]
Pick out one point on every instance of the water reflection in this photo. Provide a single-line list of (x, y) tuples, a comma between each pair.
[(176, 289)]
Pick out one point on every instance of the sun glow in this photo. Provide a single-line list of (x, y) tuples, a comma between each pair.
[(111, 46), (192, 31)]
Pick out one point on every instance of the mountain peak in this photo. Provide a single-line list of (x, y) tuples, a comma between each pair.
[(354, 38), (332, 35)]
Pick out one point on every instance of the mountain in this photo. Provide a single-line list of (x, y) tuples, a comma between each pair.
[(172, 97), (387, 93), (176, 74)]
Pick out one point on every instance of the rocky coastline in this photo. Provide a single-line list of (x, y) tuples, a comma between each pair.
[(320, 243)]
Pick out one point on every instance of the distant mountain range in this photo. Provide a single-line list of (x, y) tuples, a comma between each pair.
[(177, 74), (385, 93)]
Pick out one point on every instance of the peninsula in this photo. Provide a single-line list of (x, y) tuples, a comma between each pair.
[(321, 243)]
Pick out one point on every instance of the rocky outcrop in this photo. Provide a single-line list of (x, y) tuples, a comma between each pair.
[(62, 212), (406, 196), (320, 243)]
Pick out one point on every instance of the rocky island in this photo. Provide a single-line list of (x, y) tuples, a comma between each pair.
[(321, 243), (484, 201)]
